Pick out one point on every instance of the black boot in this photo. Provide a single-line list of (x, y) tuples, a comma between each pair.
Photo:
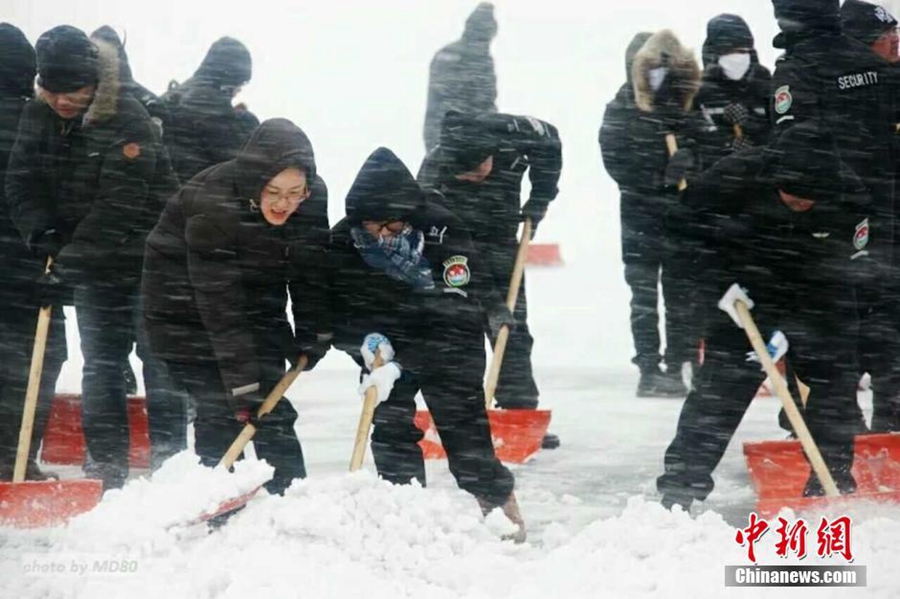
[(550, 441), (656, 383)]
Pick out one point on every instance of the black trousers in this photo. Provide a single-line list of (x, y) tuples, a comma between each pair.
[(649, 261), (17, 332), (452, 388), (110, 323), (216, 427), (516, 388), (727, 383)]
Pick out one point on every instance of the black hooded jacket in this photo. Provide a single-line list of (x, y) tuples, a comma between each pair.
[(423, 325), (217, 275), (829, 77), (723, 34), (462, 76), (204, 128), (99, 181), (491, 209)]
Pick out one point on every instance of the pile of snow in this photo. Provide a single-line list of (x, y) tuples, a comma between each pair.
[(355, 535)]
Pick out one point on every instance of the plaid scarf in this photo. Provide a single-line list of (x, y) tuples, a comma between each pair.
[(399, 257)]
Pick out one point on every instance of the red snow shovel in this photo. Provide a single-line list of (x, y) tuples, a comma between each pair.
[(779, 469), (33, 504), (517, 434)]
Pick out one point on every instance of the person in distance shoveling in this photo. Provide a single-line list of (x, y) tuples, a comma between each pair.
[(228, 251), (408, 283), (784, 229)]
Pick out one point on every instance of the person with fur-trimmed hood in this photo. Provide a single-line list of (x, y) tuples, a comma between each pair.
[(86, 181), (204, 128), (735, 92), (20, 267), (230, 248), (408, 283), (657, 100), (462, 76)]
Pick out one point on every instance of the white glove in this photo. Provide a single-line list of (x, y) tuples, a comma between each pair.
[(777, 347), (370, 346), (726, 303), (383, 379)]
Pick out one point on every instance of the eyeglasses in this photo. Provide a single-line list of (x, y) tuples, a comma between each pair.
[(393, 226), (293, 196)]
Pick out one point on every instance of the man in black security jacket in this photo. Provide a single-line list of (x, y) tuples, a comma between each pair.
[(736, 89), (20, 268), (478, 167), (220, 263), (829, 77), (85, 183), (787, 231), (409, 282)]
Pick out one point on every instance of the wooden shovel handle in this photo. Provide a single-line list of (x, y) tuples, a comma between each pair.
[(267, 406), (512, 296), (672, 147), (365, 421), (34, 386), (790, 408)]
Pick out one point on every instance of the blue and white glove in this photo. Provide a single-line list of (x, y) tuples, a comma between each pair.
[(777, 347), (383, 379), (726, 302), (371, 345)]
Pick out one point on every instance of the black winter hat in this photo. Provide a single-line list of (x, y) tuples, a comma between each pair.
[(481, 24), (66, 60), (18, 67), (275, 145), (384, 189), (806, 162), (226, 64), (723, 34), (465, 142), (865, 22), (798, 17)]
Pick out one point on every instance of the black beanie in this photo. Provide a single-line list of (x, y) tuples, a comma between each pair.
[(806, 162), (724, 33), (226, 64), (797, 18), (865, 22), (384, 189), (17, 69), (481, 24), (465, 142), (66, 60)]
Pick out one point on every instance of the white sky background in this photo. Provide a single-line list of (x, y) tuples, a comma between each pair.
[(354, 74)]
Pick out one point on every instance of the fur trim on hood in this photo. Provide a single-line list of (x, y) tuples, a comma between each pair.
[(682, 81), (105, 104)]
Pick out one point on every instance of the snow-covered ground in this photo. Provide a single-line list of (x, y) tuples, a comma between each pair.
[(353, 74)]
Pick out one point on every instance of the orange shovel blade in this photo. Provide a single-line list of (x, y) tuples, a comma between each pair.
[(517, 434), (36, 504), (767, 508)]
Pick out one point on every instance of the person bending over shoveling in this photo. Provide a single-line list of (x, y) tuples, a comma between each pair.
[(408, 285), (785, 230), (219, 265)]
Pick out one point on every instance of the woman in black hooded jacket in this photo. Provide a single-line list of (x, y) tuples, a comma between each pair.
[(218, 268)]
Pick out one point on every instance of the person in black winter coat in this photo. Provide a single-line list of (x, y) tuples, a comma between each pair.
[(230, 248), (409, 283), (656, 101), (204, 128), (829, 77), (462, 77), (20, 267), (85, 183), (478, 167), (786, 230), (736, 89)]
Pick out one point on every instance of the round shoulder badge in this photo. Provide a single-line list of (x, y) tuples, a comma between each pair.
[(861, 236), (783, 99), (456, 271)]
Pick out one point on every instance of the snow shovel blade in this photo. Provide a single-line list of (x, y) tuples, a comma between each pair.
[(779, 471), (517, 434), (815, 506), (37, 504), (228, 506)]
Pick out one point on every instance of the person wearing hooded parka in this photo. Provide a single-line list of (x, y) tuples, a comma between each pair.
[(407, 282), (229, 250)]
